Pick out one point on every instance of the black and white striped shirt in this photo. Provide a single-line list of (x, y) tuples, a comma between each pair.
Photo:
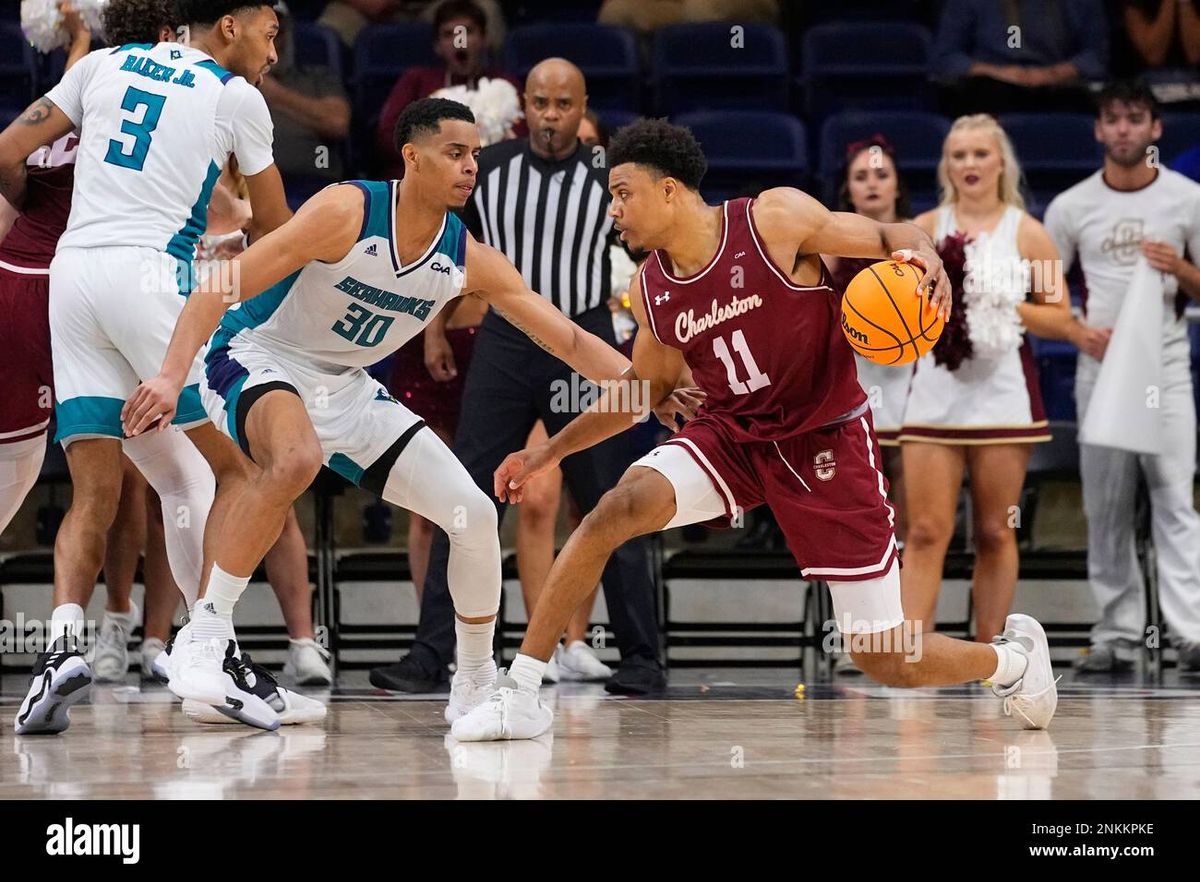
[(550, 218)]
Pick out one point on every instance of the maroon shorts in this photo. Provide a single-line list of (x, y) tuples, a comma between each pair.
[(826, 489), (25, 364)]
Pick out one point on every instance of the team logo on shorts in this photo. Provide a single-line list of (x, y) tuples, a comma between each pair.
[(824, 465)]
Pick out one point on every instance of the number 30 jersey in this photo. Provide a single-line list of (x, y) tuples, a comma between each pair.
[(357, 311), (769, 354), (157, 124)]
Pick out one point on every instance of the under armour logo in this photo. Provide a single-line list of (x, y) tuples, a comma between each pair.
[(739, 254), (371, 251), (660, 299)]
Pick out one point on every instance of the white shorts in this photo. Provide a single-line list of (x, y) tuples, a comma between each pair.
[(356, 419), (863, 607), (112, 313)]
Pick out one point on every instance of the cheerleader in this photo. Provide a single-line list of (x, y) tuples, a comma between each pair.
[(974, 405)]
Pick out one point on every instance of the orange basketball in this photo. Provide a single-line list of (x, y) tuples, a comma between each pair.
[(884, 319)]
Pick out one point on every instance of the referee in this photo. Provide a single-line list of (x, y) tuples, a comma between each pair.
[(543, 202)]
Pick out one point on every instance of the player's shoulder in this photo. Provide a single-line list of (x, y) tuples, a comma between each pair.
[(788, 200), (1181, 185)]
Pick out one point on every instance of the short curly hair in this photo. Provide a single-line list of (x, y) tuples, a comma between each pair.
[(137, 21), (424, 117), (207, 12), (670, 150)]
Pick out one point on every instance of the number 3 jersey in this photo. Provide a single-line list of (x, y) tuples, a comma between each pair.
[(354, 312), (157, 124), (769, 354)]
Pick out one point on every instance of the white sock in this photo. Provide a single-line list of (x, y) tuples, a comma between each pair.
[(223, 592), (527, 671), (66, 619), (475, 645), (1010, 664)]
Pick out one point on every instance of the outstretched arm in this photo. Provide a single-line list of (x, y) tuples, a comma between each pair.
[(793, 223), (655, 372), (492, 277), (324, 228)]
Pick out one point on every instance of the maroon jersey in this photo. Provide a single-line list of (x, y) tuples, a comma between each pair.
[(34, 234), (769, 354)]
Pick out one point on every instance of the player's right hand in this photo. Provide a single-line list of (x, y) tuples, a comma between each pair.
[(521, 467), (439, 358), (152, 400)]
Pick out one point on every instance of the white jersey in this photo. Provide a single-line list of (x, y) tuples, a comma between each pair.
[(352, 313), (1104, 228), (157, 124)]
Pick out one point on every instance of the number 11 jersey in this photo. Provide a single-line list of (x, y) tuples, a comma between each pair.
[(157, 124), (769, 354)]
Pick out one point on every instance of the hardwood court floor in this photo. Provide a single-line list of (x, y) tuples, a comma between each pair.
[(716, 734)]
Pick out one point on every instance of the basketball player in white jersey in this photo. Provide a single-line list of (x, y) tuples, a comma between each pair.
[(361, 269), (156, 123), (1128, 209)]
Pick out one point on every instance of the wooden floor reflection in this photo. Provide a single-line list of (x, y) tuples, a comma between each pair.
[(727, 736)]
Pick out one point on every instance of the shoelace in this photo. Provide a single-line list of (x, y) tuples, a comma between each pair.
[(1019, 701)]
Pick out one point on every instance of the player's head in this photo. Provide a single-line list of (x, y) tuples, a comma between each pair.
[(978, 160), (654, 170), (139, 21), (460, 37), (1127, 121), (239, 34), (555, 100), (871, 183), (440, 144)]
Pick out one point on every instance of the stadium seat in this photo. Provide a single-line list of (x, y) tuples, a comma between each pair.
[(916, 135), (16, 66), (381, 54), (318, 46), (858, 65), (714, 66), (1056, 150), (1181, 132), (608, 57), (749, 150)]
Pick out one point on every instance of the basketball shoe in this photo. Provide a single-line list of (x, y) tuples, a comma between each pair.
[(508, 713), (1032, 699), (61, 678), (250, 688)]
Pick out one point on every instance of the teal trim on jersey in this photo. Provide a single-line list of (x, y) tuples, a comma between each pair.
[(231, 402), (88, 415), (216, 70), (346, 467), (377, 216), (183, 243), (189, 408), (453, 243), (129, 46)]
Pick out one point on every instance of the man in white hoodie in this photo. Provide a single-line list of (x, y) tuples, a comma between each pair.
[(1134, 207)]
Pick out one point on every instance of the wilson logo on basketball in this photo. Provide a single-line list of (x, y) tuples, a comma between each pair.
[(824, 465), (852, 332)]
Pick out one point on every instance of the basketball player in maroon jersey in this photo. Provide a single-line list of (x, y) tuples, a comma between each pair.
[(738, 294), (27, 242)]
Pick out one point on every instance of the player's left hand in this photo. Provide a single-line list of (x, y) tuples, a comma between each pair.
[(1162, 256), (684, 402), (935, 284), (152, 400)]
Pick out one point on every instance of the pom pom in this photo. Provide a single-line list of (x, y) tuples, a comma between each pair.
[(494, 103), (41, 22)]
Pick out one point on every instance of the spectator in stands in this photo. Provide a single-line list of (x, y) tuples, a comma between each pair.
[(460, 41), (974, 405), (997, 56), (348, 17), (1130, 209), (1164, 36), (871, 185), (311, 115), (647, 16)]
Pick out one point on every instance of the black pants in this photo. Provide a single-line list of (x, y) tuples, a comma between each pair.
[(511, 384)]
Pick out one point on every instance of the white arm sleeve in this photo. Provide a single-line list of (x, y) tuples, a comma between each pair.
[(244, 117), (68, 94), (1062, 230)]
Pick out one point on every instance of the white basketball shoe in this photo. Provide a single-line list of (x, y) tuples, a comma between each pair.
[(508, 713), (1033, 698)]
